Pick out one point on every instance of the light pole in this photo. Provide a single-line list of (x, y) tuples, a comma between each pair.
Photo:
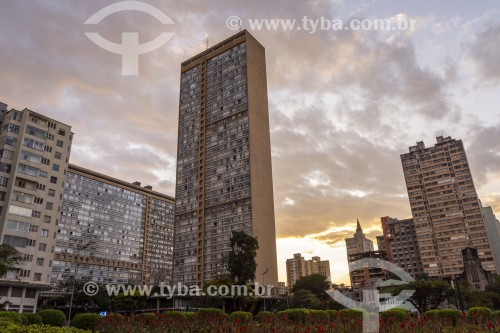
[(264, 284), (78, 249)]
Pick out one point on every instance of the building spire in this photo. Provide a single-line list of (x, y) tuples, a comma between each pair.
[(358, 227)]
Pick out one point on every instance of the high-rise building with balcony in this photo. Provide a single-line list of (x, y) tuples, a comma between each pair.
[(224, 174), (445, 207), (34, 154), (298, 267), (112, 231), (401, 245)]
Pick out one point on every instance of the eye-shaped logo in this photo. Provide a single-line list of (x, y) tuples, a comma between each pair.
[(371, 304), (130, 49)]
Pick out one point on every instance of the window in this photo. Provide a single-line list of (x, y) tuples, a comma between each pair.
[(52, 125), (22, 197), (4, 167), (46, 219), (8, 154), (32, 157), (10, 141), (42, 247), (33, 228), (36, 213), (48, 149), (4, 181), (55, 167), (40, 187), (45, 161), (49, 205), (52, 193), (16, 116), (36, 132), (12, 128), (2, 195), (38, 200), (31, 242), (62, 132), (34, 144), (28, 257), (53, 180), (44, 233), (21, 211), (50, 136), (39, 261), (18, 226), (30, 293), (60, 143), (3, 291), (16, 292), (57, 155), (37, 277), (15, 241)]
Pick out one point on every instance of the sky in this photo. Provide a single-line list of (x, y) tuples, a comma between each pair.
[(343, 105)]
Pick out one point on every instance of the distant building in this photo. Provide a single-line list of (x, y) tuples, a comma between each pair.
[(445, 207), (282, 289), (34, 153), (112, 231), (473, 272), (363, 277), (401, 245), (358, 243), (298, 267), (493, 230)]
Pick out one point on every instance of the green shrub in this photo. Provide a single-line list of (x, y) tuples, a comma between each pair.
[(174, 315), (52, 317), (33, 318), (86, 321), (24, 319), (13, 317), (189, 315), (332, 314), (117, 316), (296, 315), (210, 314), (6, 325), (241, 315), (265, 316), (495, 314), (395, 314), (48, 329), (352, 313), (318, 316), (146, 317), (479, 312), (451, 314), (431, 313)]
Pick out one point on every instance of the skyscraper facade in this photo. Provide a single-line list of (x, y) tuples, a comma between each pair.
[(401, 245), (493, 231), (34, 153), (224, 175), (112, 231), (445, 207), (358, 243)]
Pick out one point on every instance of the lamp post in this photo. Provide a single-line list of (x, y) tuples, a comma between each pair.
[(78, 249), (264, 284)]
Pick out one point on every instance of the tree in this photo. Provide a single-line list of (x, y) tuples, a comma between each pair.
[(305, 299), (130, 302), (428, 295), (315, 283), (241, 262), (9, 258)]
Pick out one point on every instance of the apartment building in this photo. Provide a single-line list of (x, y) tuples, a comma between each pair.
[(113, 231), (224, 175), (493, 231), (445, 207), (34, 152), (298, 267), (399, 241)]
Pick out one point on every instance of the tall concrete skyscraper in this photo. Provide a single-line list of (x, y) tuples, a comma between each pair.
[(224, 175), (358, 243), (34, 153), (445, 207)]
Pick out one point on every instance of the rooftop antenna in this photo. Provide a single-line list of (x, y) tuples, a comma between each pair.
[(239, 21), (206, 44)]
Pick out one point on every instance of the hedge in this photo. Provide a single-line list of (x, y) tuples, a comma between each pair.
[(352, 313), (13, 317), (332, 314), (210, 314), (297, 315), (495, 314), (395, 313), (265, 316), (86, 321), (479, 312), (33, 318), (241, 315), (52, 317), (318, 316), (174, 315), (451, 314), (146, 316)]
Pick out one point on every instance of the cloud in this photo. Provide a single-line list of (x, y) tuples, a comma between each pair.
[(484, 53)]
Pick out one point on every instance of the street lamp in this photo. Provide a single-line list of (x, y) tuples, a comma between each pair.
[(78, 249)]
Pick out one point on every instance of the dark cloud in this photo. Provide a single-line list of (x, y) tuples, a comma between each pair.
[(484, 53)]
